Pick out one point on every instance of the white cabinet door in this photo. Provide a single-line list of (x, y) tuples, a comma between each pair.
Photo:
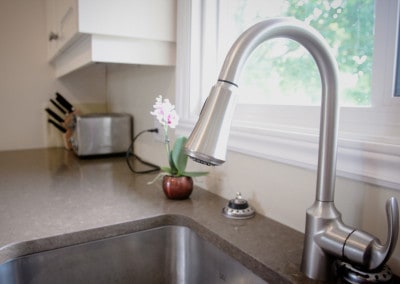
[(62, 24), (67, 21), (51, 28), (145, 19)]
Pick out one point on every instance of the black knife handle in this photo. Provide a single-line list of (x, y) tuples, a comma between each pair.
[(64, 102), (59, 127), (58, 106), (54, 115)]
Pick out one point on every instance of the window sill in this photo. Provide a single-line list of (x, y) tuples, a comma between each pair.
[(371, 162)]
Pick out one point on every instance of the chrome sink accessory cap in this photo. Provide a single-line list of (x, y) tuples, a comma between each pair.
[(238, 208)]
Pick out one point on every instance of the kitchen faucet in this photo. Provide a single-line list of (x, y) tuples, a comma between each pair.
[(326, 237)]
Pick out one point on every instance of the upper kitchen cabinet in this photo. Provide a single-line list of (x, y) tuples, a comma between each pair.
[(81, 32)]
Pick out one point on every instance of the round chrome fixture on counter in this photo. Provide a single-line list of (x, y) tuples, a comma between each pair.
[(238, 208)]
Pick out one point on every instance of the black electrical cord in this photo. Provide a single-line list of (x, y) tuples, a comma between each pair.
[(130, 152)]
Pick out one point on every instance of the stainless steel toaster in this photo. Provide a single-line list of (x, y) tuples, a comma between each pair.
[(101, 134)]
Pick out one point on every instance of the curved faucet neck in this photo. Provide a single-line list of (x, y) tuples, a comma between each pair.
[(318, 48)]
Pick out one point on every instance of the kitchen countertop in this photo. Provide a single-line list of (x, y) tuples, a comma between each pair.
[(49, 198)]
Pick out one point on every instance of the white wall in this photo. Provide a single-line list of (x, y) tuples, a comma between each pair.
[(27, 81), (279, 191), (133, 89)]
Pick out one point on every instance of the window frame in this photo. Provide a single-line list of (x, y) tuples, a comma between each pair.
[(367, 151), (397, 80)]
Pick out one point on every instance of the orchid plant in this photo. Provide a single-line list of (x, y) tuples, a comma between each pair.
[(167, 116)]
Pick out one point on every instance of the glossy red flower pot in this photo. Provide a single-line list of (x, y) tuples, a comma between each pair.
[(177, 187)]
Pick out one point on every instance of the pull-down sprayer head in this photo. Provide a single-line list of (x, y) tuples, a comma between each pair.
[(208, 142)]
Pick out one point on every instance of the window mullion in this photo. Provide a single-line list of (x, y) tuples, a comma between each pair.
[(383, 71)]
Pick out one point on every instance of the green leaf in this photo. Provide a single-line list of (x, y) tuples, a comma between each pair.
[(194, 174), (178, 161), (179, 156), (173, 170), (167, 170)]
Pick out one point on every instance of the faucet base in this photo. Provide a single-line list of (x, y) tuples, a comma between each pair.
[(317, 261), (348, 273)]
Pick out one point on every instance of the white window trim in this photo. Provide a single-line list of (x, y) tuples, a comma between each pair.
[(360, 157)]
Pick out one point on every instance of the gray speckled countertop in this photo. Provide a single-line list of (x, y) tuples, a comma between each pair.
[(49, 198)]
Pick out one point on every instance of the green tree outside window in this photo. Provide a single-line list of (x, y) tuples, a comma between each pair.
[(348, 27)]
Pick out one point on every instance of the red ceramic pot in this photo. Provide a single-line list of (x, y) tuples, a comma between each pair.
[(177, 187)]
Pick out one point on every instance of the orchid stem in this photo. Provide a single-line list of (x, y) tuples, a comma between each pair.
[(167, 147)]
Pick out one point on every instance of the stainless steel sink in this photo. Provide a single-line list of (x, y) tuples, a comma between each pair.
[(168, 254)]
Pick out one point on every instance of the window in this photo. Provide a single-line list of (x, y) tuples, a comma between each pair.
[(369, 129)]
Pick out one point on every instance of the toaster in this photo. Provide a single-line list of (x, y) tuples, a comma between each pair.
[(101, 134)]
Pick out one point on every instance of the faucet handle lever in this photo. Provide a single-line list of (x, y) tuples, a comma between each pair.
[(392, 214), (365, 249)]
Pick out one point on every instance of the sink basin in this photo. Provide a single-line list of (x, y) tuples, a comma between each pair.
[(167, 254)]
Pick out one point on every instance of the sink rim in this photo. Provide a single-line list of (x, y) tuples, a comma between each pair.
[(24, 248), (167, 249)]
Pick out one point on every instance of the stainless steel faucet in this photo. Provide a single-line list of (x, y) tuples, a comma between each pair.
[(326, 237)]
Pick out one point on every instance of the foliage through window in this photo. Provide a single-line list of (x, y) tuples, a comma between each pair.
[(281, 71)]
